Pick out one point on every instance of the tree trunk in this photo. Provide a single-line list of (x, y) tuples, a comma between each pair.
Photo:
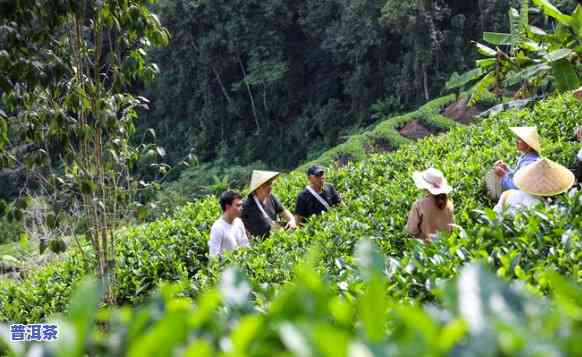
[(250, 93)]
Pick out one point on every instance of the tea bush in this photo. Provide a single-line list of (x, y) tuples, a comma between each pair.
[(480, 315), (377, 195)]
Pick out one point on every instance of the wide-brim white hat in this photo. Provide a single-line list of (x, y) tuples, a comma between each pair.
[(544, 178), (432, 180), (261, 177), (530, 135)]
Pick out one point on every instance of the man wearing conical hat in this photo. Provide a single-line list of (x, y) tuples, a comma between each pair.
[(528, 144), (262, 207), (544, 178)]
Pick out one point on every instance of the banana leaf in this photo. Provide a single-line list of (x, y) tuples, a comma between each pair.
[(552, 11), (565, 75), (526, 74), (485, 50), (457, 81), (481, 89), (485, 63), (537, 31), (557, 55), (530, 45), (497, 39)]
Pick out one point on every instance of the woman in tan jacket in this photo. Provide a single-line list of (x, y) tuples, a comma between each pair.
[(435, 212)]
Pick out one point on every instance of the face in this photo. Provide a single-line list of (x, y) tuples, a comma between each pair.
[(235, 209), (317, 180), (522, 146), (265, 189)]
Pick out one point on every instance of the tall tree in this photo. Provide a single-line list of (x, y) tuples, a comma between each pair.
[(68, 71)]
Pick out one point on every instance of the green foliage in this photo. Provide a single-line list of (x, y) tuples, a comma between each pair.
[(358, 146), (536, 58), (44, 291), (279, 81), (201, 180), (10, 231), (377, 193), (78, 119), (480, 315)]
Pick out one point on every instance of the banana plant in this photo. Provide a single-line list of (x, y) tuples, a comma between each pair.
[(528, 57)]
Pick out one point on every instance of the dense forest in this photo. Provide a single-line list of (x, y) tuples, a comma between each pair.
[(279, 81)]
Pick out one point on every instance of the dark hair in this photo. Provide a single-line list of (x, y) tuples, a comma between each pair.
[(441, 200), (578, 171), (227, 198)]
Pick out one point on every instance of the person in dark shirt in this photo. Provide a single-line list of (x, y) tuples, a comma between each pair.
[(262, 207), (317, 197)]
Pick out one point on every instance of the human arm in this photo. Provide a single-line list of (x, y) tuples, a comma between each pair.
[(291, 223), (300, 209), (284, 213), (215, 242), (245, 218), (414, 219), (507, 180), (500, 206), (336, 198), (243, 240)]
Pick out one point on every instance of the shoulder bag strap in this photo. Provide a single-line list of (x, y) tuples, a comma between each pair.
[(318, 197)]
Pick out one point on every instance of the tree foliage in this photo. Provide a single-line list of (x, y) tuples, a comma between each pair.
[(68, 72), (528, 57), (279, 80)]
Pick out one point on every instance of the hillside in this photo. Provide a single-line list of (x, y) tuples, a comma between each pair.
[(385, 136), (329, 283), (377, 192)]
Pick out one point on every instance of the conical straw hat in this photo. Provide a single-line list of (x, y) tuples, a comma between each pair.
[(260, 177), (530, 135), (544, 178)]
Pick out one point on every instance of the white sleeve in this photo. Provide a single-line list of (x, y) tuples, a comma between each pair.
[(244, 240), (215, 242), (500, 206)]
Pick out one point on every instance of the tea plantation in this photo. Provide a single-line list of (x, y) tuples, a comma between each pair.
[(351, 281)]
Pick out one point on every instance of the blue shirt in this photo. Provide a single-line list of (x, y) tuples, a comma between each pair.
[(524, 160)]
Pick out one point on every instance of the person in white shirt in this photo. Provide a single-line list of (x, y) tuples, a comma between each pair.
[(228, 232), (511, 201), (543, 178)]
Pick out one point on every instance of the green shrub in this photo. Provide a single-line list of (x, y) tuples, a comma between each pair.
[(377, 193), (479, 314), (355, 146), (10, 231), (43, 292)]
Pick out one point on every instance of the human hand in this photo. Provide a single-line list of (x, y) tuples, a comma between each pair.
[(500, 171), (291, 224), (502, 164)]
